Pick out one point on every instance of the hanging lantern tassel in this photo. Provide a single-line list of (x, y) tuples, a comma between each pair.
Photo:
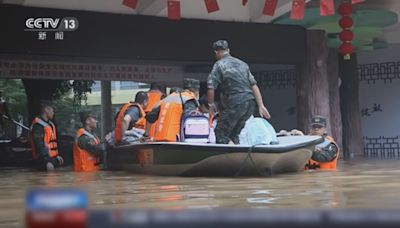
[(346, 49)]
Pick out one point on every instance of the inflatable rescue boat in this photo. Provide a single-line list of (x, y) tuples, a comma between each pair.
[(197, 159)]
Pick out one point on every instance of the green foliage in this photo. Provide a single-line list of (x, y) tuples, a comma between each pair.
[(66, 114), (78, 87), (68, 103), (68, 99), (14, 94)]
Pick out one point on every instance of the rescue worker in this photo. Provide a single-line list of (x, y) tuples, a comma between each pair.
[(155, 94), (3, 114), (43, 139), (131, 115), (168, 114), (326, 154), (88, 150), (240, 92)]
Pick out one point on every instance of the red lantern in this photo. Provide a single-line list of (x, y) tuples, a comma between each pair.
[(346, 22), (346, 35), (346, 48), (345, 8)]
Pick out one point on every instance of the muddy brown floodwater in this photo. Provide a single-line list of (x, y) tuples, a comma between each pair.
[(357, 184)]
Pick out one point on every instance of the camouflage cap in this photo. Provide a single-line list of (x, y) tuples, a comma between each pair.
[(318, 120), (220, 45), (190, 83)]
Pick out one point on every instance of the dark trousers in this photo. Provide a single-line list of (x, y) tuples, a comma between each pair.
[(232, 120)]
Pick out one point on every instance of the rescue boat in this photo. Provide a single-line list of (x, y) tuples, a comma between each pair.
[(195, 159)]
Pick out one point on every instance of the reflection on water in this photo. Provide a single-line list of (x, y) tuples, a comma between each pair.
[(362, 184)]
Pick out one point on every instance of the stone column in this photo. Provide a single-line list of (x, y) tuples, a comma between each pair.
[(334, 97), (312, 86), (350, 107), (106, 107)]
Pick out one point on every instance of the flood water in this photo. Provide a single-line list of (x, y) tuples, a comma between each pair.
[(360, 184)]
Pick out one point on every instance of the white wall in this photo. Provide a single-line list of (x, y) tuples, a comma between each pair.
[(282, 104), (381, 129), (391, 53)]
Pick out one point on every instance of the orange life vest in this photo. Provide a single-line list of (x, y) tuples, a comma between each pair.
[(169, 120), (324, 165), (83, 160), (141, 123), (153, 98), (152, 131), (50, 138)]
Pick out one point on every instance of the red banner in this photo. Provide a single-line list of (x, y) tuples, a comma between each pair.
[(89, 71), (298, 7), (269, 7), (326, 7), (211, 5), (174, 9), (130, 3)]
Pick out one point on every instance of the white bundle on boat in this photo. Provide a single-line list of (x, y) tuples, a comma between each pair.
[(130, 136), (257, 131)]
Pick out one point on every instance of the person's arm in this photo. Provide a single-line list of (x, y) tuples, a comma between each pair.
[(125, 123), (88, 143), (261, 108), (132, 115), (210, 95), (147, 130), (38, 139), (325, 154), (257, 94), (151, 117), (213, 80)]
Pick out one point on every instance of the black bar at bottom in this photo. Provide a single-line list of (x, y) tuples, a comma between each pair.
[(245, 218)]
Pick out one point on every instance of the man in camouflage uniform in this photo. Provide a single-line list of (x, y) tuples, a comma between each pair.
[(240, 92)]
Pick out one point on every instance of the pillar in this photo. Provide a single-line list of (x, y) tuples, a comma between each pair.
[(334, 97), (350, 107), (106, 107), (312, 86)]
